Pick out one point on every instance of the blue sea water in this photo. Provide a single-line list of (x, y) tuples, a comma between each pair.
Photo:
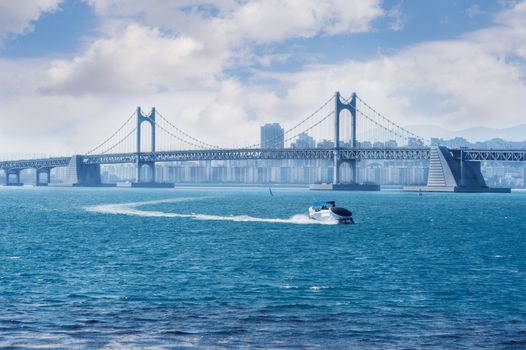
[(238, 268)]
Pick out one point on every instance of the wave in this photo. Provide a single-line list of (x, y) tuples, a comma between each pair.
[(132, 209), (318, 288)]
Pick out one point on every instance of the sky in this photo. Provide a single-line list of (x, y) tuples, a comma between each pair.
[(72, 71)]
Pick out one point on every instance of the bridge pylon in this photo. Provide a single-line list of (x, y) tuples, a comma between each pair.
[(150, 119), (337, 161)]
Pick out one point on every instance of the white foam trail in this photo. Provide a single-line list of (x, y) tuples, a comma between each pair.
[(133, 210), (288, 286), (318, 288)]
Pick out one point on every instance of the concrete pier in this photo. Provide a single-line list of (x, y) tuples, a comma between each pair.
[(16, 173), (344, 187), (79, 174), (449, 172), (457, 189), (145, 184)]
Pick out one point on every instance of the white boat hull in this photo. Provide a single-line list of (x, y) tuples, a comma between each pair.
[(331, 215)]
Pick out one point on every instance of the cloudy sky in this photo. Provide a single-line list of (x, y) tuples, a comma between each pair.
[(71, 71)]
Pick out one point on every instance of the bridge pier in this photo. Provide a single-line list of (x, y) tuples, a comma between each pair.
[(449, 172), (39, 172), (354, 171), (151, 168), (336, 168), (8, 173), (139, 182), (80, 174)]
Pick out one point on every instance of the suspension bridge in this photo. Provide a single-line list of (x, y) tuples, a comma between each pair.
[(342, 130)]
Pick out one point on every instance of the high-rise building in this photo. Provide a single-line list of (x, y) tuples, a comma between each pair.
[(272, 136)]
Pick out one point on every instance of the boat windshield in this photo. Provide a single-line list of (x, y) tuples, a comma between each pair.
[(328, 204)]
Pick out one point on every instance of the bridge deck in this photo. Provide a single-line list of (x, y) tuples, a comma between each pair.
[(267, 154)]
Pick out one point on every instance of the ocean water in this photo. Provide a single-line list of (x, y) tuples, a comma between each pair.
[(238, 268)]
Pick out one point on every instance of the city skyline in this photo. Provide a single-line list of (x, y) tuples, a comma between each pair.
[(272, 136)]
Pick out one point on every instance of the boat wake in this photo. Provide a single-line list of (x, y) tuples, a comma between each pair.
[(133, 209)]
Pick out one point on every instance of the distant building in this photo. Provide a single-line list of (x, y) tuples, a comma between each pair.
[(272, 136), (390, 144), (304, 140), (325, 144), (345, 144), (364, 144), (413, 142)]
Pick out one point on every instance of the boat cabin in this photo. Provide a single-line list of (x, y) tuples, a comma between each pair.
[(317, 206)]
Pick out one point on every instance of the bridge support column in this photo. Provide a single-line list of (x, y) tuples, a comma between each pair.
[(354, 171), (79, 174), (151, 169), (38, 173), (449, 172), (336, 168), (8, 173)]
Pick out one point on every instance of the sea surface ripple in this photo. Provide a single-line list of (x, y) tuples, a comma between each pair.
[(238, 268)]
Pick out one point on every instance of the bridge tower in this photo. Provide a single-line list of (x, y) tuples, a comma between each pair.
[(151, 120), (337, 161)]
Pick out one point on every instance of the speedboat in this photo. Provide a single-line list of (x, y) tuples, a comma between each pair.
[(328, 211)]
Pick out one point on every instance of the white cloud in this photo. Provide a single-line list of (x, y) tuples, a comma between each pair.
[(455, 84), (398, 18), (276, 20), (508, 36), (267, 60), (184, 70), (256, 20), (137, 59), (16, 17), (229, 30), (196, 46), (180, 69), (478, 79)]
